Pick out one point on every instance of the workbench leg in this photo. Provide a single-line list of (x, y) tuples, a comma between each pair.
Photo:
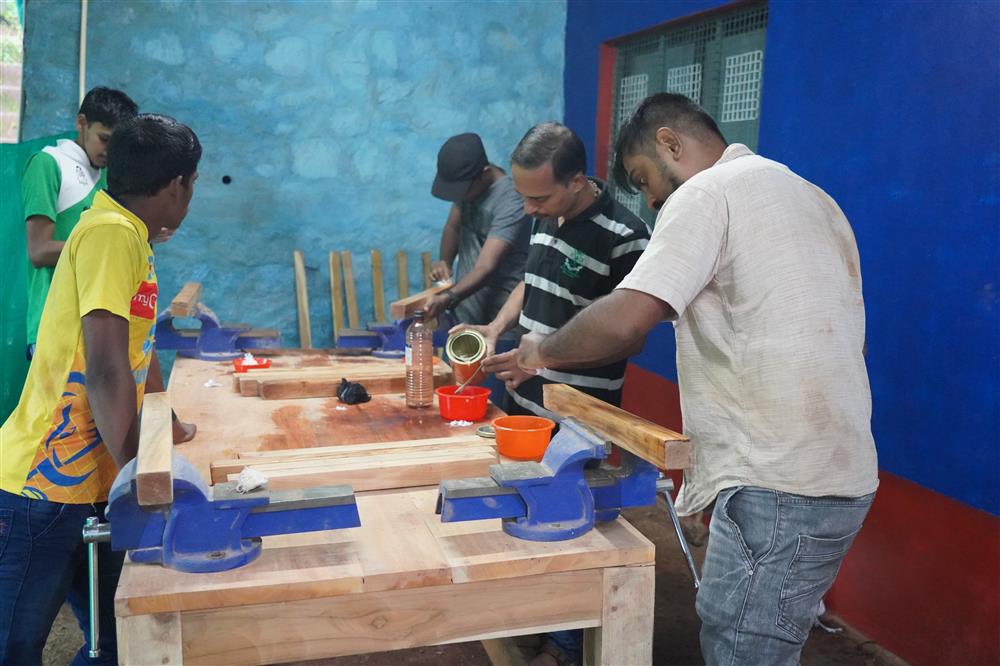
[(149, 639), (626, 632)]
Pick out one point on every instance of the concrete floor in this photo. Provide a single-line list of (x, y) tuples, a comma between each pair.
[(675, 637)]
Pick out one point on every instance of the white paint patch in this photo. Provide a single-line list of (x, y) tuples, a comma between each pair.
[(289, 56), (226, 44), (166, 49)]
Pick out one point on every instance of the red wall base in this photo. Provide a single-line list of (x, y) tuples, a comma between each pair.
[(923, 577)]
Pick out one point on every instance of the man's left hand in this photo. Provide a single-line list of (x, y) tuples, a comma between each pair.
[(183, 432), (529, 355)]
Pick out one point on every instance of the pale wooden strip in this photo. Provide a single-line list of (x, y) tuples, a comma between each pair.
[(378, 288), (658, 445), (625, 635), (402, 275), (425, 260), (353, 316), (154, 480), (185, 303), (302, 300), (336, 295), (361, 448)]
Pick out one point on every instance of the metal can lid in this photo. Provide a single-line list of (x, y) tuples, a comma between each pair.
[(486, 431)]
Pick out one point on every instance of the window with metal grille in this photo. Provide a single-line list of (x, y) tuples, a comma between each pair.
[(717, 61)]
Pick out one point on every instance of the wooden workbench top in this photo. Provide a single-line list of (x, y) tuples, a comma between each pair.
[(201, 392)]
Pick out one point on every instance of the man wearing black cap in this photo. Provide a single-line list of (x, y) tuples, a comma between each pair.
[(486, 230)]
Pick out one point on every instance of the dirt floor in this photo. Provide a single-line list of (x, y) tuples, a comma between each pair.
[(675, 638)]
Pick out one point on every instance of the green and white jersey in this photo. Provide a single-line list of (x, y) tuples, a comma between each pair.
[(58, 183)]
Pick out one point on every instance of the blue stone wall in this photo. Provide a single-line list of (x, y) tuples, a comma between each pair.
[(327, 116)]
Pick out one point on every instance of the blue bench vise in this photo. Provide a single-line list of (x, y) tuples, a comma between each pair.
[(388, 340), (213, 341), (559, 498), (214, 529)]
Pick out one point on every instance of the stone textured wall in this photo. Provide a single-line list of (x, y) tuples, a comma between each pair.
[(326, 116)]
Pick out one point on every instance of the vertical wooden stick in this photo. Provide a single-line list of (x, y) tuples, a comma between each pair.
[(402, 275), (353, 318), (302, 300), (378, 290), (425, 258), (336, 295)]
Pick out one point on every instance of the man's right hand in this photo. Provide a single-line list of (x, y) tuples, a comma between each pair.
[(485, 331), (440, 271)]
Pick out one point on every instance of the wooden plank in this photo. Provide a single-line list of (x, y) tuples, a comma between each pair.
[(402, 275), (154, 480), (149, 639), (658, 445), (353, 316), (221, 469), (425, 260), (336, 295), (625, 635), (302, 300), (380, 472), (287, 389), (405, 307), (378, 289), (355, 624), (185, 303), (370, 459)]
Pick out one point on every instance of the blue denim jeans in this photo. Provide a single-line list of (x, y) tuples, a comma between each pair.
[(43, 562), (771, 557)]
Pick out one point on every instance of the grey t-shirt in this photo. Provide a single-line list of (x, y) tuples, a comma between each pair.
[(498, 214)]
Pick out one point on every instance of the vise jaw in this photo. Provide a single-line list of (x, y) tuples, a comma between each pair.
[(560, 497), (214, 341), (215, 529)]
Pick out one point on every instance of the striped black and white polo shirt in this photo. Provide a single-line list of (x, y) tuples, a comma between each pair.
[(569, 267)]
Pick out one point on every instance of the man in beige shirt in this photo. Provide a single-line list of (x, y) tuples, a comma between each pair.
[(759, 271)]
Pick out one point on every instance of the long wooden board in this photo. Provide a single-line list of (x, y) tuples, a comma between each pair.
[(378, 288), (302, 299), (285, 389), (336, 295), (154, 480), (185, 303), (658, 445), (405, 307)]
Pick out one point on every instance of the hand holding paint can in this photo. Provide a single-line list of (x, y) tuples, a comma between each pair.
[(466, 350)]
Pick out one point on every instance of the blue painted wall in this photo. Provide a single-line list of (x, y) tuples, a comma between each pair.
[(327, 117), (891, 107)]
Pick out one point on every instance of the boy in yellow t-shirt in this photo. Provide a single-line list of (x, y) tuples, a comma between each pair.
[(77, 420)]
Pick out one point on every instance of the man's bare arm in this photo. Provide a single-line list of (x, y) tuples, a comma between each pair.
[(110, 385), (42, 250), (448, 250)]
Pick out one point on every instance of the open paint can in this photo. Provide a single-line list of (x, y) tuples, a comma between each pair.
[(466, 351)]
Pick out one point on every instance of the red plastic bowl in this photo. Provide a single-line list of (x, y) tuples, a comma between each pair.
[(523, 437), (469, 405), (259, 365)]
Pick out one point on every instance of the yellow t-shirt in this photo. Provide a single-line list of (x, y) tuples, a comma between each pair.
[(49, 447)]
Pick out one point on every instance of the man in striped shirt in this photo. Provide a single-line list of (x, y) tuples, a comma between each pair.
[(583, 243)]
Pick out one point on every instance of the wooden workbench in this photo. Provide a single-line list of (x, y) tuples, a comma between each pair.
[(401, 580)]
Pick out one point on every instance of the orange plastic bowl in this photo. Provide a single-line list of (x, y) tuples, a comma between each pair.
[(469, 405), (523, 437)]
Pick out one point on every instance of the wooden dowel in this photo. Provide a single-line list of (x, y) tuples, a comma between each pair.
[(378, 290), (425, 259), (402, 275), (336, 295), (302, 300), (353, 317)]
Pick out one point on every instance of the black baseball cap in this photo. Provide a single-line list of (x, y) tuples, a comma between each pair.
[(461, 161)]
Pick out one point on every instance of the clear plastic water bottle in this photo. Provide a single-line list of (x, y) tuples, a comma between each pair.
[(419, 363)]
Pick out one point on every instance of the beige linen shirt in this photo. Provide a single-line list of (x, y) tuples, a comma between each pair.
[(762, 270)]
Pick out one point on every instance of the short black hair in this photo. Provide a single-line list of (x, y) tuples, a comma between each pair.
[(108, 107), (552, 143), (147, 152), (671, 110)]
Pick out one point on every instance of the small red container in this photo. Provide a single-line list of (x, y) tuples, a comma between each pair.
[(261, 363), (469, 405)]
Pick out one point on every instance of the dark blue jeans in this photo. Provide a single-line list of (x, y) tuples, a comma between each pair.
[(43, 562)]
